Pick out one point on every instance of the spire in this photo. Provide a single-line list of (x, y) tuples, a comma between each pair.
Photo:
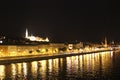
[(26, 33), (105, 42)]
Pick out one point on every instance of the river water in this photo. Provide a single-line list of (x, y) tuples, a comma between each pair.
[(94, 66)]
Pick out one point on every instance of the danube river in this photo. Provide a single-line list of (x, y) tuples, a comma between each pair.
[(94, 66)]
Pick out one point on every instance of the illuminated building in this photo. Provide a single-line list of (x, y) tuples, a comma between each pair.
[(34, 38)]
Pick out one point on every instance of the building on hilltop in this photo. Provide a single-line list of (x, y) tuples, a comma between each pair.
[(35, 38)]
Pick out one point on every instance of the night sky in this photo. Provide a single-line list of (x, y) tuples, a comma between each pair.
[(61, 20)]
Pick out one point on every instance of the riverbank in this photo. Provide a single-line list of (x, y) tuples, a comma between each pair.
[(17, 59)]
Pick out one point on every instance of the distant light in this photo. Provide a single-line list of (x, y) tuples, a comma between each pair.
[(1, 41), (70, 46), (32, 38), (47, 40)]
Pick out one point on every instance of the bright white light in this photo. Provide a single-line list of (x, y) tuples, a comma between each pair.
[(47, 40), (70, 46), (32, 38), (1, 41)]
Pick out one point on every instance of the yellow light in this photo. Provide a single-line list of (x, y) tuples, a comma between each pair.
[(34, 67), (13, 69), (50, 64), (25, 68), (2, 72), (42, 68), (19, 66), (43, 50)]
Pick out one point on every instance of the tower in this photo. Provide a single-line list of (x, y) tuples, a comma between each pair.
[(105, 42), (26, 33)]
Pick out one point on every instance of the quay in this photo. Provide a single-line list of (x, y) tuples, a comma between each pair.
[(27, 58)]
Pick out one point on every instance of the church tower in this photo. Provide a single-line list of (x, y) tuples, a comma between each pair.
[(105, 44), (26, 33)]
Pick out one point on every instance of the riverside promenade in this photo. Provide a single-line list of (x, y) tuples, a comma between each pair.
[(17, 59)]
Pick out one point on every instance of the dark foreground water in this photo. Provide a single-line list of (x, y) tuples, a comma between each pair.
[(96, 66)]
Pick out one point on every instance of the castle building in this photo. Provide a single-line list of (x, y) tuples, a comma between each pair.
[(35, 38)]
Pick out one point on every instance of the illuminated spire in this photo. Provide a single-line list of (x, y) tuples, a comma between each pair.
[(105, 42), (26, 33)]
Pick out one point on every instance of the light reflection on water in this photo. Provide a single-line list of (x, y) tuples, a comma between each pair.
[(42, 69), (89, 66), (2, 72)]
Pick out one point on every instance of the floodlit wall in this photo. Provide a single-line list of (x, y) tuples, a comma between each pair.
[(21, 50)]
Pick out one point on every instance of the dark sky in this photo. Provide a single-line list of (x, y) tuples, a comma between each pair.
[(61, 20)]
